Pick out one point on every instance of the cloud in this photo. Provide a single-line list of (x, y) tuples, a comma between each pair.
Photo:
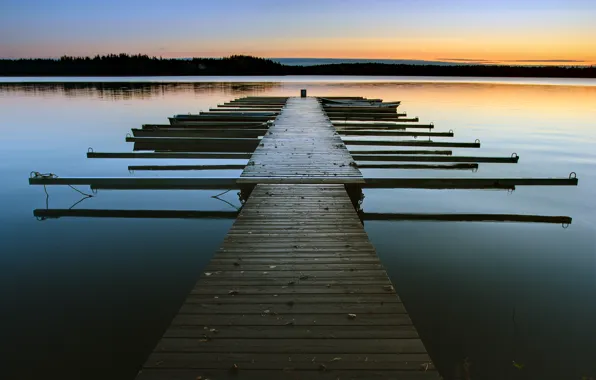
[(513, 60), (463, 59), (545, 60)]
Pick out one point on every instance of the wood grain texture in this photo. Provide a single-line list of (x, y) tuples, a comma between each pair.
[(295, 291), (301, 143)]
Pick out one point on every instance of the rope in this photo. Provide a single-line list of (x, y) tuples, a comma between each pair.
[(215, 196), (223, 200), (35, 174), (77, 202)]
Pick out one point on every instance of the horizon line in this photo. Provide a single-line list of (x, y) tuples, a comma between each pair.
[(476, 61)]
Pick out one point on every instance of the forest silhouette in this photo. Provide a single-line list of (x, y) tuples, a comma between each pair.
[(143, 65)]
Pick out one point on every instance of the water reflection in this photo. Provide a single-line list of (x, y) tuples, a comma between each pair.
[(88, 297), (133, 90)]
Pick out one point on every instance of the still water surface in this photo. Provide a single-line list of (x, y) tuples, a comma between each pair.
[(89, 298)]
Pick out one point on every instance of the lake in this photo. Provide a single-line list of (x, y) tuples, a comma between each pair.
[(90, 297)]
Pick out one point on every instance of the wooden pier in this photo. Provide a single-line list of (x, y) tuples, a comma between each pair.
[(296, 290)]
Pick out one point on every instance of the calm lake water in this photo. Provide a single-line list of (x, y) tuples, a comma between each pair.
[(89, 298)]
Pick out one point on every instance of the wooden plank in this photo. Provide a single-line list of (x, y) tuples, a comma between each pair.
[(469, 159), (281, 291), (466, 183), (447, 144), (141, 214), (208, 124), (214, 117), (290, 276), (239, 297), (286, 281), (293, 346), (360, 109), (332, 113), (285, 372), (194, 140), (301, 361), (168, 155), (301, 179), (199, 132), (294, 332), (381, 125), (407, 151), (185, 167), (241, 108), (214, 320), (381, 133), (375, 118), (250, 105), (131, 183), (469, 217), (382, 165)]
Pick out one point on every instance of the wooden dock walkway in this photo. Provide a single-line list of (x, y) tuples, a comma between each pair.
[(296, 290), (301, 143)]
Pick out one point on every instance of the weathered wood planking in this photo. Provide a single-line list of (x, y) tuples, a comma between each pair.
[(275, 300), (302, 142)]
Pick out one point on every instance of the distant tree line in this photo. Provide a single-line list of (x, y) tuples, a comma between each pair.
[(143, 65)]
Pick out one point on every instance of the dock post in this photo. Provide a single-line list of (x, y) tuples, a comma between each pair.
[(303, 93)]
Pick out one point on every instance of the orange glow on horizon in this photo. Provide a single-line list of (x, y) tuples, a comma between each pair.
[(483, 49)]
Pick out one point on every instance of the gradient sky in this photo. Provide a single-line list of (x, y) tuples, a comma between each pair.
[(562, 31)]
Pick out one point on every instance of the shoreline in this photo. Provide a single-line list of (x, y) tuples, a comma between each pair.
[(556, 81)]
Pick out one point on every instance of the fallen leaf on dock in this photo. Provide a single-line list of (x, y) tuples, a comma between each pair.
[(426, 366), (352, 316), (518, 365), (233, 292)]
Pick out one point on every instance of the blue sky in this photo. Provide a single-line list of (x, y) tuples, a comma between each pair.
[(492, 30)]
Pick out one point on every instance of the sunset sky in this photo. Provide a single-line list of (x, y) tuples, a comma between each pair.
[(512, 31)]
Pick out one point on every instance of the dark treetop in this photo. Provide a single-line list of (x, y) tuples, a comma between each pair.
[(143, 65)]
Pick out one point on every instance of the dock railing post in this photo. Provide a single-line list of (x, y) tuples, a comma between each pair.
[(303, 93)]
